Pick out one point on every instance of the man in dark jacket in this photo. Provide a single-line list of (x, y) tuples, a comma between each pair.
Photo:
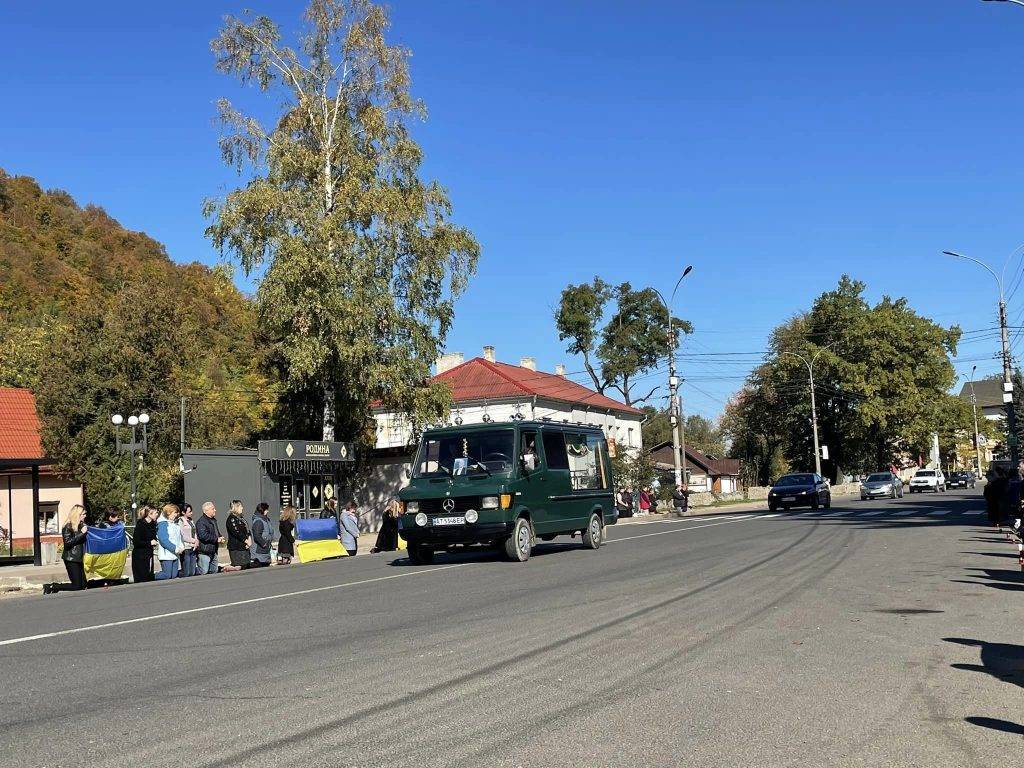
[(208, 534), (681, 500)]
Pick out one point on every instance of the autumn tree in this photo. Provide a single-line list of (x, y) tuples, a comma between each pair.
[(621, 333), (359, 265)]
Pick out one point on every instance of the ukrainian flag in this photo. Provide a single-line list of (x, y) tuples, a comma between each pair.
[(317, 540), (106, 550)]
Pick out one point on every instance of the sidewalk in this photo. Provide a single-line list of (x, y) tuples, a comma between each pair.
[(30, 578)]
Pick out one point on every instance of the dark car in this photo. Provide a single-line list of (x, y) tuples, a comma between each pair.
[(961, 480), (800, 490)]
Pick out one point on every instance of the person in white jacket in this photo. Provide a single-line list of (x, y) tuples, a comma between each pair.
[(169, 542)]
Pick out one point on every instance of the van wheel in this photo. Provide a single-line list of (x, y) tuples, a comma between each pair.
[(518, 545), (593, 534), (420, 554)]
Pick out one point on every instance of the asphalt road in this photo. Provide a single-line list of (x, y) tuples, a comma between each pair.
[(883, 633)]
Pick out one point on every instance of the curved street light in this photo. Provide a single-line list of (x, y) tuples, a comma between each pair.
[(814, 407), (1015, 2), (675, 404)]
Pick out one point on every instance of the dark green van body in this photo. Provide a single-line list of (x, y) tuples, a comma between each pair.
[(458, 469)]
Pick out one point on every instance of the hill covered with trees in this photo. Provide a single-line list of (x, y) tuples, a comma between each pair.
[(97, 319)]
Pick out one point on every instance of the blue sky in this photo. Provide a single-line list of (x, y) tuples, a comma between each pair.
[(772, 145)]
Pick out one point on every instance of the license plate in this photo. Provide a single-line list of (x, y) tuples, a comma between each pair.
[(449, 520), (789, 498)]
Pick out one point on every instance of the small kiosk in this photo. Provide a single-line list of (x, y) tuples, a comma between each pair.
[(305, 474)]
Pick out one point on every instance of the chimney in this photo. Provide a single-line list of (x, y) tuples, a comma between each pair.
[(447, 362), (489, 353), (528, 362), (560, 369)]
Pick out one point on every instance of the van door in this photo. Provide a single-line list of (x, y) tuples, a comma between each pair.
[(557, 484)]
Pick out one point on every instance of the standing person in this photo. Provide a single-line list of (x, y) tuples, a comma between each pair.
[(387, 536), (286, 543), (681, 500), (169, 544), (645, 501), (239, 540), (994, 489), (262, 536), (209, 538), (110, 518), (188, 538), (73, 535), (624, 503), (350, 529), (143, 541), (330, 511)]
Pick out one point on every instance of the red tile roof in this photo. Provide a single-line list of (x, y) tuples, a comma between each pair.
[(19, 425), (480, 379)]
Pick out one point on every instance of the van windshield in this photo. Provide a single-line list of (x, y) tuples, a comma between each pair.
[(469, 453)]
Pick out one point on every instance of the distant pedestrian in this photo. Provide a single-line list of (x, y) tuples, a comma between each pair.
[(387, 536), (262, 536), (645, 501), (350, 529), (209, 538), (169, 544), (624, 502), (188, 538), (680, 500), (73, 535), (286, 542), (143, 541), (239, 539), (330, 510)]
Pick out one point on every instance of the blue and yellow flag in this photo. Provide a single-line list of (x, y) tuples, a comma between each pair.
[(106, 550), (317, 540)]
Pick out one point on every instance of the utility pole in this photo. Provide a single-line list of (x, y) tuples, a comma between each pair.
[(814, 405), (675, 411), (182, 440), (974, 407), (1004, 338)]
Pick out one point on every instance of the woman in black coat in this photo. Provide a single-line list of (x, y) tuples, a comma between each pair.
[(238, 536), (73, 535), (387, 536), (286, 542), (142, 545)]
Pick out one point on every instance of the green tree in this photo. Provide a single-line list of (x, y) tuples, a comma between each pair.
[(882, 380), (631, 343), (360, 265)]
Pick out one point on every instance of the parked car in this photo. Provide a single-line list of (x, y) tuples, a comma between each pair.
[(881, 484), (961, 480), (800, 490), (927, 480)]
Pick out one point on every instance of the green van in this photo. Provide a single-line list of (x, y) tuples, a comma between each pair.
[(505, 486)]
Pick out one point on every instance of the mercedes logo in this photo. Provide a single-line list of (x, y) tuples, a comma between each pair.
[(448, 505)]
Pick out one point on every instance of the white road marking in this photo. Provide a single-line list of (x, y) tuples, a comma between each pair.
[(187, 611), (310, 591)]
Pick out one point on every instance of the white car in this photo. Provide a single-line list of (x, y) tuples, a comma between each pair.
[(927, 480)]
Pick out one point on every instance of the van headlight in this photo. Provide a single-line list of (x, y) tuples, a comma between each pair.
[(488, 502), (412, 507), (472, 516), (421, 519)]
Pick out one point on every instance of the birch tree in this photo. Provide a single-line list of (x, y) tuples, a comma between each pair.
[(357, 260)]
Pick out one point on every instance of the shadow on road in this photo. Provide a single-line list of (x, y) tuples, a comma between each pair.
[(996, 725), (1002, 661)]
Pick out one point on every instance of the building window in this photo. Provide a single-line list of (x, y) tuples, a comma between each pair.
[(48, 521)]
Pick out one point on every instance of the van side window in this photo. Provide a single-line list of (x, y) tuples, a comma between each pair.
[(598, 447), (554, 450), (583, 463)]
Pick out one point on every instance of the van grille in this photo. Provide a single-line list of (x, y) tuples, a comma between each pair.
[(462, 505)]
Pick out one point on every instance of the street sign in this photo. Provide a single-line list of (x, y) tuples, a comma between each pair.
[(824, 452)]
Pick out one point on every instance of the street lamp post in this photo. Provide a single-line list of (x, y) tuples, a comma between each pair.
[(1004, 337), (675, 406), (135, 446), (814, 406), (974, 406)]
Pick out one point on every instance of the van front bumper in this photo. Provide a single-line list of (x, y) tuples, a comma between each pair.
[(467, 533)]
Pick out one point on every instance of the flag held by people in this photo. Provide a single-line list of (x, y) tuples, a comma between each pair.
[(106, 550), (317, 540)]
